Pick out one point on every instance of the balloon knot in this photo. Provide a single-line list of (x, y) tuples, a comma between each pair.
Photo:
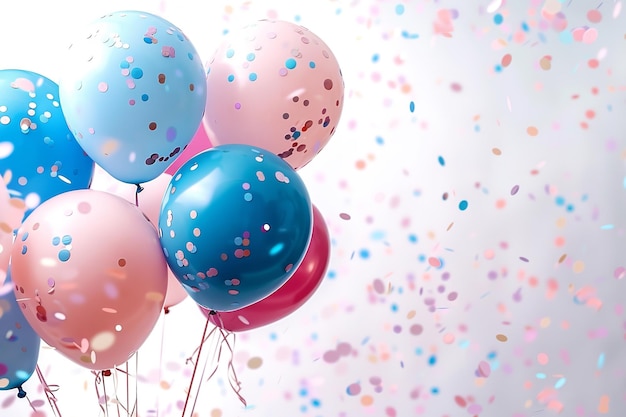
[(212, 312), (139, 188), (20, 392), (106, 372), (166, 310)]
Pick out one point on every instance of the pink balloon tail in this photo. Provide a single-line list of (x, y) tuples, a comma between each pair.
[(49, 391)]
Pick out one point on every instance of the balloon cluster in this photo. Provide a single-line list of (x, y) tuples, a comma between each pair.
[(195, 189)]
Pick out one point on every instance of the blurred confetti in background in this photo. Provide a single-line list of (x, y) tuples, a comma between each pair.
[(474, 193)]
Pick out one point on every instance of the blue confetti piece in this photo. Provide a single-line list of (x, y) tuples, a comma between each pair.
[(558, 384), (412, 106), (442, 162), (407, 35), (601, 361), (607, 227), (463, 205)]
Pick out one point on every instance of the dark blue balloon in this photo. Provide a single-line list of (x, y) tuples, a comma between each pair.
[(38, 153), (19, 344), (235, 223)]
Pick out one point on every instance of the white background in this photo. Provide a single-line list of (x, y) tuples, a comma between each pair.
[(563, 353)]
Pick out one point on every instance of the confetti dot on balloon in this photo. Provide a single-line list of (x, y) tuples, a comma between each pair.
[(64, 255)]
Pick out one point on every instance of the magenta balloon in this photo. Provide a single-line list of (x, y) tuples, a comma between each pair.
[(292, 295), (90, 275)]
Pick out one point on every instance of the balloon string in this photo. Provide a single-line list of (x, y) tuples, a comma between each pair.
[(233, 380), (139, 189), (49, 390), (128, 391), (161, 357), (136, 406), (195, 367), (31, 404), (97, 381), (115, 390), (206, 362)]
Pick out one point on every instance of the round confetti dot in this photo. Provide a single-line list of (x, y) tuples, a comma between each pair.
[(484, 369), (253, 76), (532, 131), (506, 60), (367, 400), (64, 255), (416, 329), (255, 362), (463, 205), (501, 338), (353, 389), (594, 16), (331, 356), (328, 84), (578, 267), (290, 63)]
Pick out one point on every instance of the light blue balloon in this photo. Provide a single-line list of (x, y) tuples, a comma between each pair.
[(133, 92), (235, 223), (19, 344), (38, 153)]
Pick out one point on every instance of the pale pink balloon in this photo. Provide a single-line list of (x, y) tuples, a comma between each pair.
[(199, 143), (90, 275), (277, 86), (150, 203), (11, 213)]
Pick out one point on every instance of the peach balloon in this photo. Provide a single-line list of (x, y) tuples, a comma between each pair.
[(150, 203), (11, 213), (274, 85), (90, 275)]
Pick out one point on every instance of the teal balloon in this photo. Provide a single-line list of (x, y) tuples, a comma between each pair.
[(235, 223), (19, 344), (133, 92), (38, 154)]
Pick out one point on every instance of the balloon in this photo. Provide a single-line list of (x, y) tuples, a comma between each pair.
[(150, 203), (91, 277), (199, 143), (39, 157), (291, 296), (133, 93), (277, 86), (234, 225), (19, 344), (11, 214)]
